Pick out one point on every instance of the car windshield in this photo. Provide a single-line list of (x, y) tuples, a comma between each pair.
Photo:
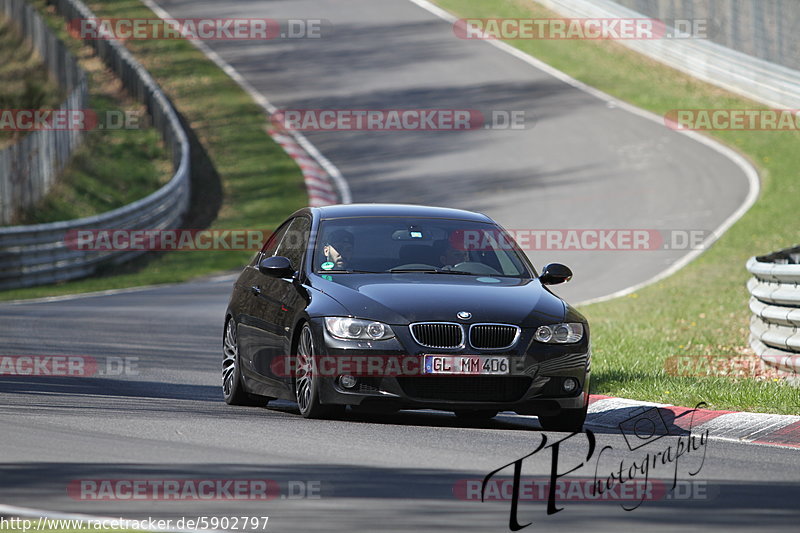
[(425, 245)]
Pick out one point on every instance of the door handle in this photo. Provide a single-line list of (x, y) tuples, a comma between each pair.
[(255, 290)]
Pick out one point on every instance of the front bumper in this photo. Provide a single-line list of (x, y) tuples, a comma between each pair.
[(533, 386)]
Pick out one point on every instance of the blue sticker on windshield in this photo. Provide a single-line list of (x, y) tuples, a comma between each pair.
[(416, 234), (488, 280), (327, 265)]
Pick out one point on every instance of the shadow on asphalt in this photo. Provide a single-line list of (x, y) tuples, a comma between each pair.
[(108, 387), (640, 426), (385, 491)]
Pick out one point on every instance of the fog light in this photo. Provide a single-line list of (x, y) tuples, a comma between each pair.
[(347, 381), (570, 385)]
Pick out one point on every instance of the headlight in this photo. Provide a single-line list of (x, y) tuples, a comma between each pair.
[(565, 333), (357, 329)]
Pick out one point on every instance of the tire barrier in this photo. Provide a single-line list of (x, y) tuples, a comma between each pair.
[(775, 304)]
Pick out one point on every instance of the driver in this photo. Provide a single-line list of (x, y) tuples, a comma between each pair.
[(450, 256), (338, 248)]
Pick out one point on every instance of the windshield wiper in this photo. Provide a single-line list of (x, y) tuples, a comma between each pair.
[(431, 271), (349, 271)]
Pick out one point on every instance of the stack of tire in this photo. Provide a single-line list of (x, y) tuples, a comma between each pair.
[(775, 304)]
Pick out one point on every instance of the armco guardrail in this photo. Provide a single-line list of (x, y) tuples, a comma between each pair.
[(775, 303), (749, 76), (38, 254), (766, 29), (29, 167)]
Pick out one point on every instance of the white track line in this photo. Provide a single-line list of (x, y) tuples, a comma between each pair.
[(749, 171), (67, 297), (219, 278)]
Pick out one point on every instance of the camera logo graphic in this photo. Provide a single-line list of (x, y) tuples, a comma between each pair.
[(646, 425)]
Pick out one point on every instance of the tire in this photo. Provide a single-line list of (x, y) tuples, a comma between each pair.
[(476, 414), (232, 387), (569, 420), (306, 382)]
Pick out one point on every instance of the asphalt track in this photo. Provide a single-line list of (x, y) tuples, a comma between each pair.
[(374, 473), (582, 165), (579, 163)]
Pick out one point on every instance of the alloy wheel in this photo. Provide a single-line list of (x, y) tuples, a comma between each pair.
[(304, 380)]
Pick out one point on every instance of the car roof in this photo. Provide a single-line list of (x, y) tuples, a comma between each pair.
[(397, 210)]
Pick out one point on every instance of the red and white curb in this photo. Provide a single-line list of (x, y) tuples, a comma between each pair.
[(753, 428), (321, 190)]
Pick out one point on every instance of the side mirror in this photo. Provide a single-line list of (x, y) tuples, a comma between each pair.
[(555, 273), (276, 267)]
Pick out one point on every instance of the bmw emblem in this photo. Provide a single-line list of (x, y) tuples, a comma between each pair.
[(464, 315)]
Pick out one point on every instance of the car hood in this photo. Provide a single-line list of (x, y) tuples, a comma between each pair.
[(405, 298)]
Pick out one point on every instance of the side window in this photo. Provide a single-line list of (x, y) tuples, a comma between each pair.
[(295, 242), (272, 243)]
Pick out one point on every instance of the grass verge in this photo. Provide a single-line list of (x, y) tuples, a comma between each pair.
[(241, 178), (701, 310)]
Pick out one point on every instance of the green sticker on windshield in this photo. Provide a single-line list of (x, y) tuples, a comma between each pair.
[(488, 280), (327, 265)]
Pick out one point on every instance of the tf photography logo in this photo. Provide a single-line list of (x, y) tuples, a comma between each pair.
[(643, 434)]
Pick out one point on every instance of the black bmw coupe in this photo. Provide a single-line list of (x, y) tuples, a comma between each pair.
[(388, 307)]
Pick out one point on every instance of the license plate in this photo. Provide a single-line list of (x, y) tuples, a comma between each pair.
[(466, 365)]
